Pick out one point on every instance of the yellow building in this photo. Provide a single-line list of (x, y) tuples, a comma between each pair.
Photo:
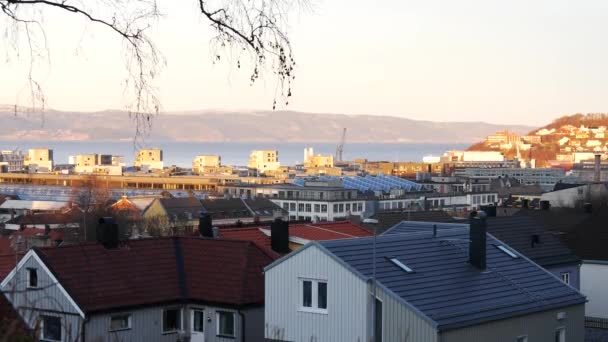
[(39, 160), (264, 160), (205, 162), (319, 161), (149, 159), (98, 164)]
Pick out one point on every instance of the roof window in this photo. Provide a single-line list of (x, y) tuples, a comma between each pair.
[(507, 251), (401, 265)]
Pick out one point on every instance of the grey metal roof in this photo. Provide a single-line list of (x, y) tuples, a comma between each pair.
[(422, 226), (517, 231), (445, 287)]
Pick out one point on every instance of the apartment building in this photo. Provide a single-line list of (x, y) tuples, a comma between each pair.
[(264, 160), (94, 163), (545, 177), (204, 161), (149, 159), (313, 203), (39, 160), (11, 161)]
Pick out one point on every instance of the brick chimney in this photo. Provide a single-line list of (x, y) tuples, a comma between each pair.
[(279, 236)]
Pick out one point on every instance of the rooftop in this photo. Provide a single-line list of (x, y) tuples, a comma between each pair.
[(444, 287), (160, 270)]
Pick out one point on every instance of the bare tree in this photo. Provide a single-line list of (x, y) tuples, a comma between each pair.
[(92, 197), (252, 33)]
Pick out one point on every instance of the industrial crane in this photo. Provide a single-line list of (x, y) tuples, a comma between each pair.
[(340, 147)]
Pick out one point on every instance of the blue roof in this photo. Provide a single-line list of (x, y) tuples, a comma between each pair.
[(368, 183), (444, 287)]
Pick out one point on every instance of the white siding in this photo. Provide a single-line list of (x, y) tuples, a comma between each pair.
[(594, 285), (46, 299), (346, 305), (349, 309)]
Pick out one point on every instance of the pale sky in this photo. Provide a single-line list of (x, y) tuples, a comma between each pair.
[(515, 61)]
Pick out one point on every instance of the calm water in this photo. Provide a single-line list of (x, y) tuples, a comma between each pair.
[(182, 153)]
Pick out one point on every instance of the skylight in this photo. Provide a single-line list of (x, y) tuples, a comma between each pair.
[(401, 265), (507, 251)]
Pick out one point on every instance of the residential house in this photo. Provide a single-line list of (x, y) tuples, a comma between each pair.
[(531, 239), (425, 286), (171, 289), (172, 212)]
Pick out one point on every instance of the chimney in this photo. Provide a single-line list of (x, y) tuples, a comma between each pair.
[(525, 203), (597, 169), (47, 230), (216, 232), (490, 210), (545, 205), (279, 236), (477, 237), (107, 232), (434, 230), (205, 226)]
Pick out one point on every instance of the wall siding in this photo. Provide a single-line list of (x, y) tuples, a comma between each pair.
[(346, 293), (146, 325), (574, 271), (349, 305), (402, 324), (48, 299), (538, 327), (594, 280)]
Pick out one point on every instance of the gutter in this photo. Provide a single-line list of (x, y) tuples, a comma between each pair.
[(243, 337)]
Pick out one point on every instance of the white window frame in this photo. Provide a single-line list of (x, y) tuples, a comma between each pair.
[(217, 323), (314, 308), (562, 331), (28, 270), (181, 320), (381, 323), (129, 326), (192, 311), (521, 338), (44, 338), (565, 276)]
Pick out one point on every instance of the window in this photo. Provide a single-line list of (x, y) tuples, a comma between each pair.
[(507, 251), (225, 323), (378, 321), (292, 207), (317, 208), (286, 206), (172, 320), (335, 208), (308, 207), (300, 206), (560, 335), (51, 328), (401, 265), (522, 338), (565, 277), (198, 321), (341, 208), (323, 208), (314, 295), (347, 207), (32, 277), (360, 207), (120, 322)]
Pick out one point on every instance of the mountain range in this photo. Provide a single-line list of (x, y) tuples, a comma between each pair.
[(232, 126)]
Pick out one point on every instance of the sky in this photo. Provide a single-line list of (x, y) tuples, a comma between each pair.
[(516, 61)]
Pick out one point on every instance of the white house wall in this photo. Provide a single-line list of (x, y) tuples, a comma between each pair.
[(346, 306), (594, 285)]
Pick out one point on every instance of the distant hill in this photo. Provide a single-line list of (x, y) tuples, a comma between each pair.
[(569, 126), (254, 126)]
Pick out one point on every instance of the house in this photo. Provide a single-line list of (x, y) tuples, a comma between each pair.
[(174, 211), (170, 289), (575, 196), (584, 232), (229, 211), (531, 239), (132, 208), (425, 286)]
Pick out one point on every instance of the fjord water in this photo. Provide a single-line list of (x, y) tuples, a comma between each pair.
[(234, 153)]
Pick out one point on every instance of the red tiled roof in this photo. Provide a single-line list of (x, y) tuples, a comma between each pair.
[(252, 234), (7, 263), (328, 231), (160, 270), (54, 234)]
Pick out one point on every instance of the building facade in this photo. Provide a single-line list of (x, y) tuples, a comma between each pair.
[(264, 160), (149, 159)]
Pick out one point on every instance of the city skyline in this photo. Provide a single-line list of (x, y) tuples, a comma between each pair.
[(439, 61)]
